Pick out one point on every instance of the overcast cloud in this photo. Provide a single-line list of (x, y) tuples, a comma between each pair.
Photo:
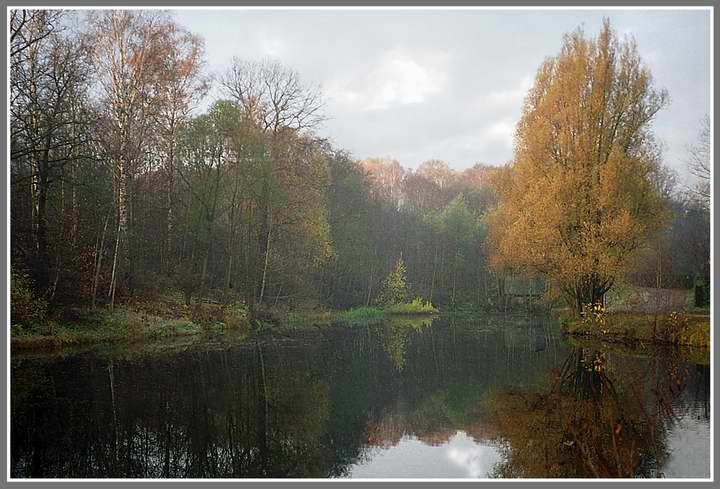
[(416, 85)]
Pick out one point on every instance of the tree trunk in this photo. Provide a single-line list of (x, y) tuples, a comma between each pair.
[(123, 225), (369, 288), (229, 272), (170, 219), (98, 262), (203, 273), (230, 247), (264, 235), (265, 265), (591, 292), (42, 259), (432, 281), (454, 279), (113, 276)]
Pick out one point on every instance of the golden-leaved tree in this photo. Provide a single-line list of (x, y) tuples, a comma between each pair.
[(578, 199)]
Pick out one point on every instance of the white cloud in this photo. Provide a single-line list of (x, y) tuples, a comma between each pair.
[(269, 45), (508, 99), (474, 459), (490, 144), (500, 131), (431, 84), (396, 78)]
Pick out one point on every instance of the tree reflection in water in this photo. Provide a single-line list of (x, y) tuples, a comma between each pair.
[(593, 419), (321, 404)]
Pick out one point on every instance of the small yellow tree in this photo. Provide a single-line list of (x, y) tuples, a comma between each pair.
[(394, 288), (578, 199)]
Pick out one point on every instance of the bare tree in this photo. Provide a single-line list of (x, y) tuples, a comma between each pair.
[(49, 83), (130, 53), (29, 27), (699, 162), (274, 98), (273, 95), (185, 84)]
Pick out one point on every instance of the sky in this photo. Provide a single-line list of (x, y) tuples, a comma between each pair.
[(415, 85)]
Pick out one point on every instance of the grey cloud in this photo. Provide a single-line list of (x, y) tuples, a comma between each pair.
[(447, 84)]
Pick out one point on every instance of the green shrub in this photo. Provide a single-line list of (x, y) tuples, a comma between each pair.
[(172, 295), (595, 317), (27, 312), (206, 315), (417, 306), (236, 315)]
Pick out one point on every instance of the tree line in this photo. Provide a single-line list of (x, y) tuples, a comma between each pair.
[(123, 185)]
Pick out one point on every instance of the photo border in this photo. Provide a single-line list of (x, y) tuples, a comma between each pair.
[(290, 5)]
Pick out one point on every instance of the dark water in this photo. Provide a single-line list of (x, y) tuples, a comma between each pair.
[(492, 397)]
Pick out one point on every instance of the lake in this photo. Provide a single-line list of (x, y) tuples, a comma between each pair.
[(417, 398)]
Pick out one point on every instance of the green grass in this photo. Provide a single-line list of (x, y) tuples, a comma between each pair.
[(132, 323), (303, 319), (107, 327), (360, 316), (417, 306), (169, 316)]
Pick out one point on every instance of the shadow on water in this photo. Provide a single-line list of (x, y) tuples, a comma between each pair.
[(490, 396)]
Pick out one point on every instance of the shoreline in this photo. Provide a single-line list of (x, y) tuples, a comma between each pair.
[(153, 323), (639, 329)]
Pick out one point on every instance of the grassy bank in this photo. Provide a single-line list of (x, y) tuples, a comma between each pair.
[(134, 322), (637, 328), (360, 316), (365, 315), (152, 321)]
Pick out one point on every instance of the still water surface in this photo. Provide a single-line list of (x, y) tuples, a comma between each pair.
[(489, 397)]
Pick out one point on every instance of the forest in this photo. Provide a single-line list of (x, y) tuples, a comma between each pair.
[(136, 173)]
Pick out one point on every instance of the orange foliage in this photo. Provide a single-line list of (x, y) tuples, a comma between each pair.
[(578, 200)]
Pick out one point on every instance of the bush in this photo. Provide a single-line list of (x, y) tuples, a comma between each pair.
[(673, 327), (595, 318), (27, 312), (697, 333), (218, 318), (417, 306), (236, 315), (151, 285), (206, 315)]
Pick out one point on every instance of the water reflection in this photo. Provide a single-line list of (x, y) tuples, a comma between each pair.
[(500, 397), (458, 457), (597, 418)]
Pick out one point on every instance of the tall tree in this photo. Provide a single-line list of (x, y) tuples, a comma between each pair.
[(131, 53), (285, 109), (183, 86), (579, 199), (49, 116)]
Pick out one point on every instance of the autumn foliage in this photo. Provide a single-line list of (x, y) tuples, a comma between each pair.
[(578, 200)]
